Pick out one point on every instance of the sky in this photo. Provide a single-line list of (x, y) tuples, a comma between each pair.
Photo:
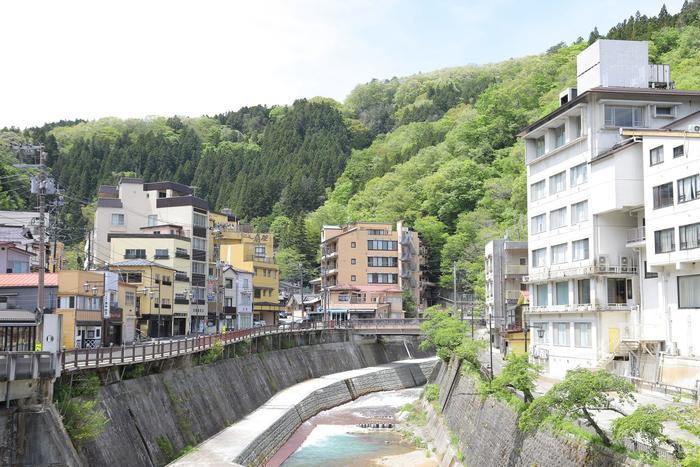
[(90, 59)]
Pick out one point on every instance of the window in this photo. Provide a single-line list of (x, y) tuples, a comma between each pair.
[(656, 155), (199, 244), (579, 250), (162, 194), (582, 334), (559, 136), (689, 236), (541, 293), (649, 275), (134, 254), (557, 218), (557, 183), (623, 116), (579, 174), (583, 291), (199, 220), (353, 261), (229, 283), (539, 224), (129, 298), (678, 151), (353, 278), (539, 146), (382, 261), (198, 268), (538, 257), (117, 219), (130, 277), (579, 212), (617, 290), (353, 244), (19, 267), (688, 188), (663, 111), (537, 190), (523, 261), (256, 293), (152, 220), (663, 195), (561, 296), (161, 253), (559, 254), (377, 232), (689, 291), (388, 245), (561, 334), (259, 250), (664, 241), (382, 278)]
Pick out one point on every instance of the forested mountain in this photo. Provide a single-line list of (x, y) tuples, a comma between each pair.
[(437, 150)]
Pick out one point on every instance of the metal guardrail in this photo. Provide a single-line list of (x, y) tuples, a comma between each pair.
[(79, 359)]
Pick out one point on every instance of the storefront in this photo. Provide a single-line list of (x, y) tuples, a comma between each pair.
[(18, 331)]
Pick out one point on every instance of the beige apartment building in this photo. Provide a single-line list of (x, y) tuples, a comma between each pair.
[(369, 265)]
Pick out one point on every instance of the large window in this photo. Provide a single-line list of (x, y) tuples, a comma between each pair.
[(656, 155), (117, 219), (537, 191), (579, 212), (579, 250), (582, 334), (559, 254), (538, 257), (381, 245), (579, 174), (382, 278), (382, 261), (617, 290), (583, 291), (539, 146), (198, 268), (560, 334), (559, 136), (689, 291), (135, 254), (199, 220), (152, 220), (557, 218), (557, 183), (627, 117), (664, 241), (688, 188), (663, 195), (541, 291), (539, 224), (689, 236), (678, 151), (561, 295), (199, 244)]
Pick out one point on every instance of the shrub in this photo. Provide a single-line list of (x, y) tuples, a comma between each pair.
[(432, 392)]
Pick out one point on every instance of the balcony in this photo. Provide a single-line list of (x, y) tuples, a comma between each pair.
[(167, 282), (545, 274), (329, 255), (135, 255), (182, 254), (181, 301), (166, 306), (579, 308), (161, 256), (636, 237), (512, 295), (260, 259), (516, 270), (181, 277), (199, 255)]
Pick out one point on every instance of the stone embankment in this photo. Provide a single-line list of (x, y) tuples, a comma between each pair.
[(488, 434), (153, 419), (255, 439)]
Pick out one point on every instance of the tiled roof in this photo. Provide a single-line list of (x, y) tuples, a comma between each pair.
[(28, 280)]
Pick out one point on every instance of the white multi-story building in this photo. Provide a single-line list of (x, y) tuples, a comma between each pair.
[(163, 208), (238, 301), (585, 190)]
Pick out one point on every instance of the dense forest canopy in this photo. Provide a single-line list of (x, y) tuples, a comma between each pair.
[(437, 150)]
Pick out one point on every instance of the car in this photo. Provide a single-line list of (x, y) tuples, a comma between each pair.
[(259, 324)]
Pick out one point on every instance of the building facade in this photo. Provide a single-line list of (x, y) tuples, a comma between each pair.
[(238, 298), (585, 191), (505, 266), (80, 306), (371, 254), (14, 260)]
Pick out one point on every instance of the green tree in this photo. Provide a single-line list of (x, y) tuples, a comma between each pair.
[(517, 373), (646, 422)]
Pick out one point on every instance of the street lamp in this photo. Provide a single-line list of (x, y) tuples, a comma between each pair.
[(151, 293)]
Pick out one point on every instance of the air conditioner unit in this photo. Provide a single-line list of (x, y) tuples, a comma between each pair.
[(694, 127), (624, 263), (603, 262)]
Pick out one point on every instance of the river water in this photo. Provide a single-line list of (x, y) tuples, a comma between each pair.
[(333, 438)]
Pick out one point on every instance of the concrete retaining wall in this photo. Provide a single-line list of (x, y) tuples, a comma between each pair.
[(489, 435), (264, 446), (153, 417)]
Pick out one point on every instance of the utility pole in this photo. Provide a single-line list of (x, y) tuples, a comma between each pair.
[(301, 289), (454, 284), (41, 191)]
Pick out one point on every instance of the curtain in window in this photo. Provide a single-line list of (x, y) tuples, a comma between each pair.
[(580, 249), (542, 295), (582, 334), (664, 241), (561, 334), (559, 254), (689, 236), (562, 293), (579, 212), (689, 291), (688, 188)]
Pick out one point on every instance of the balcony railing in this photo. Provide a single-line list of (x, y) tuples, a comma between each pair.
[(580, 308), (181, 301), (199, 255), (134, 255), (260, 259), (516, 269), (636, 235), (161, 256), (182, 254), (182, 278), (546, 274)]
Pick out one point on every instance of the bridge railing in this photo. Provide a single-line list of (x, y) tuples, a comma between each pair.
[(78, 359), (16, 366), (385, 323)]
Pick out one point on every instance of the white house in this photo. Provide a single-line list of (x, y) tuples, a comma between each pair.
[(238, 304), (586, 187)]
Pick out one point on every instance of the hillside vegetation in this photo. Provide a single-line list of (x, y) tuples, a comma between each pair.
[(438, 150)]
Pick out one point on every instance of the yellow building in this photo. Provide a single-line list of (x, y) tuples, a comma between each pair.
[(80, 306), (155, 295), (253, 252)]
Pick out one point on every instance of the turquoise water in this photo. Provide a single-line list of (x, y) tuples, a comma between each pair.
[(347, 449)]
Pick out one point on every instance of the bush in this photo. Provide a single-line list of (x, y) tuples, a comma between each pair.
[(82, 419), (432, 392), (213, 354)]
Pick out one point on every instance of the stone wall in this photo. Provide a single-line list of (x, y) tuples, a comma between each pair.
[(153, 417), (488, 431), (341, 392)]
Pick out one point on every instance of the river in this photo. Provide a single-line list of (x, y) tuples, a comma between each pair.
[(333, 438)]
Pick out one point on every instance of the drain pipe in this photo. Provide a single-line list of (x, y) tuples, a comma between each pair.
[(407, 351)]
